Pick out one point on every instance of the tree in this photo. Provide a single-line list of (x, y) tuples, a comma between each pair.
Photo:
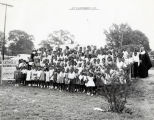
[(21, 42), (45, 44), (60, 37), (140, 38), (116, 34), (123, 35)]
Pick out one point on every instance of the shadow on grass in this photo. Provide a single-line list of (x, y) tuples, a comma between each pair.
[(136, 89)]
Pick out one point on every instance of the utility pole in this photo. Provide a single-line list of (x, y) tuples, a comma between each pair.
[(122, 37), (3, 42)]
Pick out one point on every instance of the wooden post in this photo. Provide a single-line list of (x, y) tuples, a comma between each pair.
[(2, 73), (3, 42), (1, 65)]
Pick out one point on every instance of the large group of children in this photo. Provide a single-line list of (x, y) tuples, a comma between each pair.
[(77, 69)]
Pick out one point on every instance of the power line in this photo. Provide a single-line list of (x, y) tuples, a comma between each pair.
[(6, 4)]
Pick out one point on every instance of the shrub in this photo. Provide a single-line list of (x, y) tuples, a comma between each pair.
[(115, 88)]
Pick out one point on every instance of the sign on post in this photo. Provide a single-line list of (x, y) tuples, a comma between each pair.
[(8, 68)]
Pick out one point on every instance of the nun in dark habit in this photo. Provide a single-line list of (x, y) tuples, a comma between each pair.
[(145, 63)]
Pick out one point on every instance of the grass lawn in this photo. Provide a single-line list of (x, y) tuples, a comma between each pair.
[(29, 103)]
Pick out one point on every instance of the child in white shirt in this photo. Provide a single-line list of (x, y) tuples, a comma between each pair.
[(34, 76), (24, 71), (67, 81), (38, 76), (28, 77), (90, 84), (61, 79), (51, 71), (135, 63)]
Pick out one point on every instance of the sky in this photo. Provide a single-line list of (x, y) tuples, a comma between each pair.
[(41, 17)]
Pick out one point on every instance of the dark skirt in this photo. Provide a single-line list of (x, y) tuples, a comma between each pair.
[(142, 71), (73, 81), (78, 82), (135, 69), (82, 82)]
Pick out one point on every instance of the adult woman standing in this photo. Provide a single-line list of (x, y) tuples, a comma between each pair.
[(145, 63)]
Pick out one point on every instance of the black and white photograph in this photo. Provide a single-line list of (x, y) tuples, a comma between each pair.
[(76, 60)]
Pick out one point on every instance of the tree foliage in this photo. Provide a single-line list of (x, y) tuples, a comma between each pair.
[(60, 37), (45, 44), (123, 34), (21, 42), (140, 38)]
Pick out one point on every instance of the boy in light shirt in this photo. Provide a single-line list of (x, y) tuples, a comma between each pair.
[(28, 76), (24, 72), (51, 71), (38, 76), (136, 63)]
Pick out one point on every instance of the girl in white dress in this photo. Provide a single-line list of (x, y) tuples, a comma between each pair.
[(28, 76), (34, 76), (51, 71), (90, 84), (120, 63), (62, 76), (47, 80), (58, 79), (67, 81)]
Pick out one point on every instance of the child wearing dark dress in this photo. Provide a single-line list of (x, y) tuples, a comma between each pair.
[(17, 76), (42, 78), (51, 71), (71, 77)]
